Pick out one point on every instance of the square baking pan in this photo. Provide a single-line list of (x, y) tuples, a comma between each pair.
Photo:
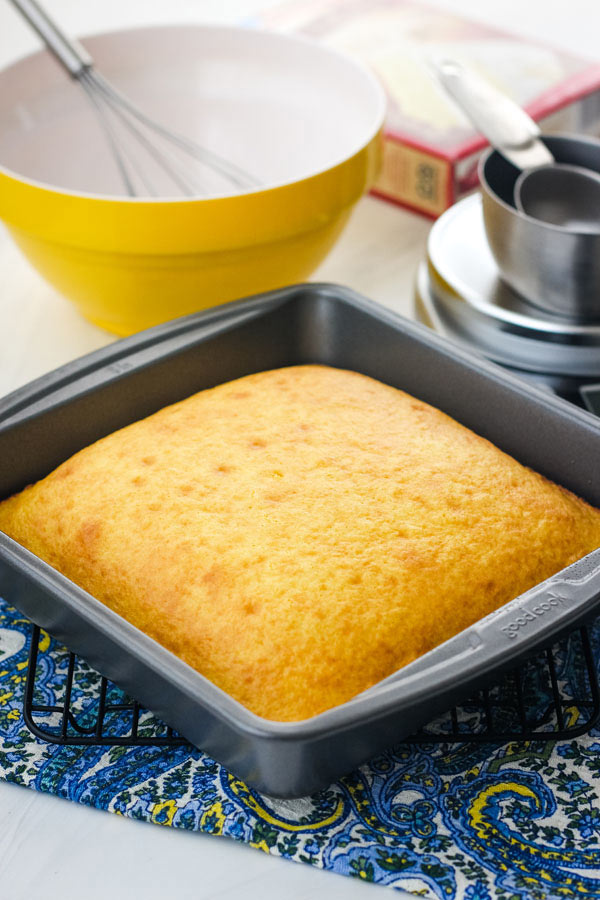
[(48, 420)]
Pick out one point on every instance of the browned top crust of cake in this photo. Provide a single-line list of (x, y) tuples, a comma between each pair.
[(298, 535)]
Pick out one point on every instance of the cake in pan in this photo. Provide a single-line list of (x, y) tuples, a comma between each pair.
[(298, 535)]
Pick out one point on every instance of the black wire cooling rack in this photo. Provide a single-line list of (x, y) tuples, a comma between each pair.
[(553, 695)]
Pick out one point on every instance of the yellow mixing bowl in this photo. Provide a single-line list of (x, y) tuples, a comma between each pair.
[(304, 120)]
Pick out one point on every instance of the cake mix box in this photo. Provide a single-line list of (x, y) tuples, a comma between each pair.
[(431, 150)]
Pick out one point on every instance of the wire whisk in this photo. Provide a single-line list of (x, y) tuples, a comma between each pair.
[(151, 159)]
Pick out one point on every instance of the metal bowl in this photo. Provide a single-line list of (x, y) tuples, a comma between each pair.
[(555, 267)]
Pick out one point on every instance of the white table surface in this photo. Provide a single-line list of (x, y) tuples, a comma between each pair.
[(57, 849)]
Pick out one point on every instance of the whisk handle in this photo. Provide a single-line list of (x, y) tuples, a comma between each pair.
[(70, 53)]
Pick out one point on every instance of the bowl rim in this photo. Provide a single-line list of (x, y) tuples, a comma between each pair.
[(371, 133), (531, 220)]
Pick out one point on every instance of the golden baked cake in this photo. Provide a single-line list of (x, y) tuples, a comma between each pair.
[(298, 535)]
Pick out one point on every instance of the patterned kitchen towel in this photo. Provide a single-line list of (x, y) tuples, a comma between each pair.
[(474, 822)]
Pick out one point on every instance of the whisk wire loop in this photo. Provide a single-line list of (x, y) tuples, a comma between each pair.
[(125, 125)]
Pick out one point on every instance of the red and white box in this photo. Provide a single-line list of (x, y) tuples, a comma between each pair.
[(431, 150)]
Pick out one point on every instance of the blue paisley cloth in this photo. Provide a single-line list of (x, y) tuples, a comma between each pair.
[(451, 821)]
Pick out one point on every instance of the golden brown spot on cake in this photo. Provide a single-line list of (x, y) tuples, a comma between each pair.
[(64, 471), (223, 469), (241, 395), (148, 460), (356, 578), (249, 608), (257, 444), (408, 556), (212, 576), (89, 533), (138, 480)]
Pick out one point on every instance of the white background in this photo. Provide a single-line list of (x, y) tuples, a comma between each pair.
[(57, 849)]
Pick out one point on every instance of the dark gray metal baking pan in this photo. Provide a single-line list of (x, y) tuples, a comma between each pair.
[(48, 420)]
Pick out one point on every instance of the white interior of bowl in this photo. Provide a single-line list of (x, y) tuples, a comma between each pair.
[(280, 107)]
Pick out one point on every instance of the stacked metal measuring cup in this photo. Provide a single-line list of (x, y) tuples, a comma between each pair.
[(515, 272)]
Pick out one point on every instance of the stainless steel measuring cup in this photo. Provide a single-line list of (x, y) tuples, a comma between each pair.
[(554, 267)]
